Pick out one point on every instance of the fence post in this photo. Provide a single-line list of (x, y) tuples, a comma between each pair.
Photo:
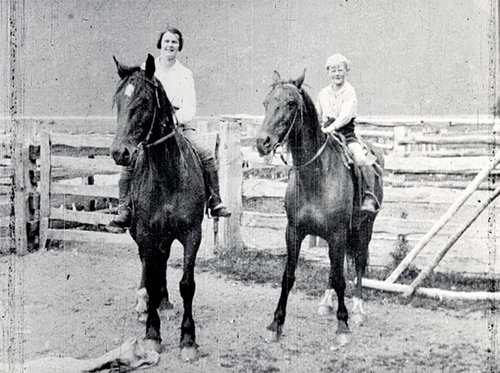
[(45, 181), (18, 185), (399, 136), (230, 180)]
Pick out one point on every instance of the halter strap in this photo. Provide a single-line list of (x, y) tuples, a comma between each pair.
[(172, 133)]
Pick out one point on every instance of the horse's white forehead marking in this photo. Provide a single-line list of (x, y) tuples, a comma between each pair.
[(129, 90)]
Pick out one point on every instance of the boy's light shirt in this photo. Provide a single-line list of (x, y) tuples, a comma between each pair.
[(341, 105)]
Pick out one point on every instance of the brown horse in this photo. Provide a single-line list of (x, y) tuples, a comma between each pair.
[(167, 193), (320, 199)]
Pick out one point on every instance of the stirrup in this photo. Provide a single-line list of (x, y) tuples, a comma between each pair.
[(219, 211), (375, 204)]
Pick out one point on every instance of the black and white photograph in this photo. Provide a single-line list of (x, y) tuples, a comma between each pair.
[(249, 186)]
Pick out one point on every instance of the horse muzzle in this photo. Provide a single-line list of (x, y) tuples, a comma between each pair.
[(265, 144), (122, 155)]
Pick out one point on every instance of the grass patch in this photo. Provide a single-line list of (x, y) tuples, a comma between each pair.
[(260, 267)]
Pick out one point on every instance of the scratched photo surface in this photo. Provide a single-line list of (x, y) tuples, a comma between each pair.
[(271, 95)]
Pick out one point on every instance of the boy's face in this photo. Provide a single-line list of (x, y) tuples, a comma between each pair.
[(337, 74)]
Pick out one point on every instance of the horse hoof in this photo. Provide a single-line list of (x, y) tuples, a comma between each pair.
[(273, 337), (325, 310), (166, 305), (142, 317), (358, 319), (189, 354), (340, 341), (152, 345), (142, 300)]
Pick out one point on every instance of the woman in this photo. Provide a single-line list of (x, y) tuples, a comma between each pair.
[(178, 82), (337, 108)]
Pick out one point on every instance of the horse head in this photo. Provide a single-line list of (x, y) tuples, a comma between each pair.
[(144, 113), (283, 105)]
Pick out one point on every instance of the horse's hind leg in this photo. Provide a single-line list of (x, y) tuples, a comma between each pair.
[(294, 239), (361, 241), (189, 348), (336, 251), (165, 250)]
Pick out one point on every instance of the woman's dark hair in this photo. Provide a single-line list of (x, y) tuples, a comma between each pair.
[(174, 31)]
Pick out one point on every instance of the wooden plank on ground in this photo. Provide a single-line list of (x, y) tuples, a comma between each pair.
[(86, 190), (84, 217), (89, 236), (86, 165)]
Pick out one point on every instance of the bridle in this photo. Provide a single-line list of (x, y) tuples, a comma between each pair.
[(145, 143), (285, 138)]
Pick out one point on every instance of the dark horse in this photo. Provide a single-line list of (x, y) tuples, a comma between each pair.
[(168, 192), (320, 198)]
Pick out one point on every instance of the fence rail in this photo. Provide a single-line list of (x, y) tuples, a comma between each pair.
[(398, 141)]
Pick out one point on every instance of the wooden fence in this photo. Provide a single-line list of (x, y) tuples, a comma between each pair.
[(408, 212), (7, 243), (84, 172)]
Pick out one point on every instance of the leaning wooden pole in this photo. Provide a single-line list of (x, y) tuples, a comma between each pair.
[(480, 177), (431, 292), (441, 253)]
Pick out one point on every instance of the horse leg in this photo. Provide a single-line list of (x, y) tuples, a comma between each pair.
[(336, 252), (187, 286), (362, 240), (294, 239), (142, 295), (165, 301), (152, 281)]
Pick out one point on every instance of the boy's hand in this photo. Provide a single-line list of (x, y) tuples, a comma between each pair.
[(329, 129)]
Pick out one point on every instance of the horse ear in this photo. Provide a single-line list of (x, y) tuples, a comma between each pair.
[(298, 82), (276, 77), (150, 66), (123, 71)]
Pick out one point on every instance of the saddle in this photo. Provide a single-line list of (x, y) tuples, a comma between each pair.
[(350, 163)]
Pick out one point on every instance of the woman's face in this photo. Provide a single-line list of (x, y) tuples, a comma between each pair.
[(170, 45), (337, 74)]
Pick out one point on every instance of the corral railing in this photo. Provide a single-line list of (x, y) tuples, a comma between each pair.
[(79, 187), (408, 211)]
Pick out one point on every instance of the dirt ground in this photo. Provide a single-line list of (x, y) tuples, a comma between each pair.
[(78, 301)]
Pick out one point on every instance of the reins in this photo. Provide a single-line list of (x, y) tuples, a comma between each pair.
[(146, 144), (285, 138)]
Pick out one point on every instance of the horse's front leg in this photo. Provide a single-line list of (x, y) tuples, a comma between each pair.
[(294, 238), (336, 251), (142, 295), (189, 348), (151, 258)]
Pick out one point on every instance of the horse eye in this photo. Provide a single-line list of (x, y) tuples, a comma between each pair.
[(291, 103)]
